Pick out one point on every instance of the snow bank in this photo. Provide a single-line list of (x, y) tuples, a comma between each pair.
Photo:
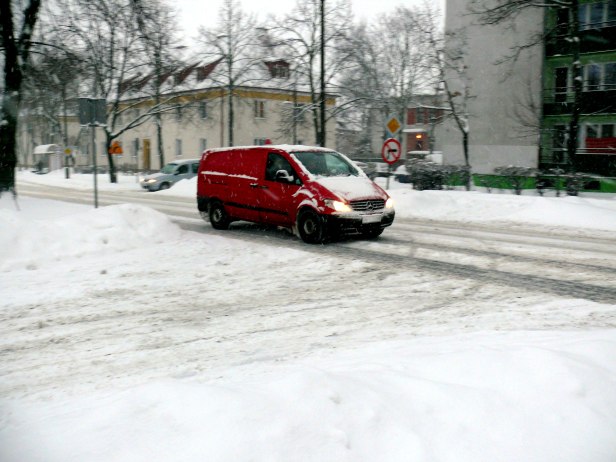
[(477, 207), (596, 212), (517, 396), (26, 241)]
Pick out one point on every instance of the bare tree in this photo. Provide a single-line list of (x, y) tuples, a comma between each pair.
[(500, 11), (390, 64), (233, 46), (117, 66), (15, 46), (157, 25), (50, 85), (298, 36)]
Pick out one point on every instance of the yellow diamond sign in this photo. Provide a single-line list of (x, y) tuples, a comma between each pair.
[(393, 125)]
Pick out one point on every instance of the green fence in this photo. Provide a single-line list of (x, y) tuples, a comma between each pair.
[(549, 182)]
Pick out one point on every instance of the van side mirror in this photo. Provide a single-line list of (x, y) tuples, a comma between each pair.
[(283, 176)]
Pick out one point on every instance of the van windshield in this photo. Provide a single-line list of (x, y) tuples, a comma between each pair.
[(326, 164), (168, 169)]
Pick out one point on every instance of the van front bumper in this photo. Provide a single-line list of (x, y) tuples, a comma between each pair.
[(359, 223)]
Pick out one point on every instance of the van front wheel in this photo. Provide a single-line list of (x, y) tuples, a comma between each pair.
[(311, 227), (218, 216)]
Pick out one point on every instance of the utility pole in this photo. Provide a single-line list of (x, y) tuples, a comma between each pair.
[(322, 122)]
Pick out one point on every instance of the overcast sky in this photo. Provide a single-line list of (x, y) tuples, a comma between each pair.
[(194, 13)]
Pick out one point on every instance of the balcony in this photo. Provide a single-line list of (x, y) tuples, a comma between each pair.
[(591, 41), (593, 102)]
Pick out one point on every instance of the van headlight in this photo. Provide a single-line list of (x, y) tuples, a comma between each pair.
[(338, 206), (389, 204)]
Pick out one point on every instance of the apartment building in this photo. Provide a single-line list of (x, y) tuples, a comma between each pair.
[(519, 110)]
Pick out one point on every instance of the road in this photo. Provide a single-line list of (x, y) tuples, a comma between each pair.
[(562, 264)]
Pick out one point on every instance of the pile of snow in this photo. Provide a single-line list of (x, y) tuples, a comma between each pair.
[(24, 241), (479, 207), (518, 396)]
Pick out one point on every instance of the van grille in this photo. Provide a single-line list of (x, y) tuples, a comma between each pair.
[(369, 205)]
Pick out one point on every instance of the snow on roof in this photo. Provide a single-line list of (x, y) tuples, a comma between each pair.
[(46, 149), (268, 73)]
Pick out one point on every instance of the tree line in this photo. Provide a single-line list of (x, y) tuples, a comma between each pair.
[(56, 50)]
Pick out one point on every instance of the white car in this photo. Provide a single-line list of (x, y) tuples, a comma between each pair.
[(171, 174)]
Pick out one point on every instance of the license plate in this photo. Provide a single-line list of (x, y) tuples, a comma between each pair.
[(376, 218)]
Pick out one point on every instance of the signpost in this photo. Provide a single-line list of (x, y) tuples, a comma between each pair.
[(93, 112), (67, 158), (391, 152)]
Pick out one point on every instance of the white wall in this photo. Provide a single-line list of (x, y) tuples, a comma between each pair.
[(499, 92)]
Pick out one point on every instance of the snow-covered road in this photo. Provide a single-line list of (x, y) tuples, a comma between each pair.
[(557, 261), (126, 336)]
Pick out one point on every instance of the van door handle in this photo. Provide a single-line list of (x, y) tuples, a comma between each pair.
[(257, 185)]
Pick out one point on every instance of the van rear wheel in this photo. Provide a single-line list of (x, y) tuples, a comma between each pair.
[(218, 216), (311, 227)]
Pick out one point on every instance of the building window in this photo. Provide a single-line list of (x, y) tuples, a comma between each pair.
[(600, 131), (103, 152), (135, 148), (178, 113), (203, 109), (559, 144), (600, 139), (609, 76), (202, 144), (259, 109), (299, 112), (280, 70), (420, 119), (178, 148), (611, 13), (600, 76), (593, 77), (260, 141), (592, 131), (597, 15), (561, 82)]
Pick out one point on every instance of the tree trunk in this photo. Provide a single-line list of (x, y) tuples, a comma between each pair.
[(10, 99), (576, 110), (8, 133), (466, 158), (159, 140), (113, 178)]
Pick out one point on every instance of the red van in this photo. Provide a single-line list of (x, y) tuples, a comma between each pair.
[(317, 192)]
